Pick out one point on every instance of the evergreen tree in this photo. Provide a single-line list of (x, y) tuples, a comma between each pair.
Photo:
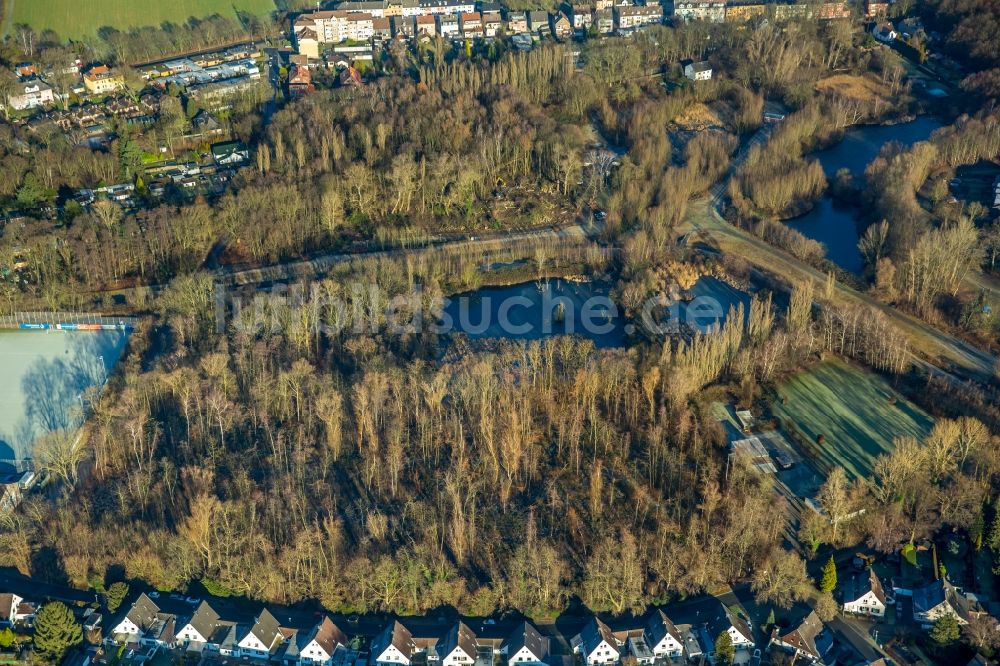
[(770, 619), (976, 531), (56, 631), (945, 631), (829, 581), (725, 651), (116, 595), (993, 538), (7, 638)]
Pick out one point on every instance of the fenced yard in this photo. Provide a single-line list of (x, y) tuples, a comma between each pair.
[(46, 375)]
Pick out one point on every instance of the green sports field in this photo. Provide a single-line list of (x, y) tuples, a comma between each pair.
[(857, 411), (76, 20)]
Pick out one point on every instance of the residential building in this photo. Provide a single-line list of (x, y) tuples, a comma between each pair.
[(829, 11), (492, 24), (382, 28), (448, 25), (884, 32), (438, 7), (601, 5), (700, 10), (863, 595), (360, 27), (403, 8), (517, 23), (604, 19), (263, 638), (525, 646), (25, 70), (404, 27), (638, 649), (230, 153), (350, 78), (307, 41), (662, 636), (318, 646), (583, 17), (741, 13), (458, 648), (101, 80), (697, 70), (30, 94), (634, 17), (597, 644), (148, 622), (205, 630), (425, 26), (374, 8), (737, 628), (809, 641), (790, 11), (876, 8), (393, 647), (562, 27), (14, 610), (934, 601), (472, 25), (300, 81), (538, 23)]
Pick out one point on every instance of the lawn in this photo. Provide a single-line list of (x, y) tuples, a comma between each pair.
[(857, 412), (71, 19)]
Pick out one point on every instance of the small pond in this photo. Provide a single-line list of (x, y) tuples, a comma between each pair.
[(540, 309), (536, 310), (709, 304), (837, 226)]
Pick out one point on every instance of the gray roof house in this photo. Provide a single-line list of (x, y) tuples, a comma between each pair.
[(525, 645)]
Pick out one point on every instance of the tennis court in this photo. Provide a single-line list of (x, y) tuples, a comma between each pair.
[(45, 377)]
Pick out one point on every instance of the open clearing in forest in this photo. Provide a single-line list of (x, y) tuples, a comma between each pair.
[(854, 88), (74, 20), (857, 412)]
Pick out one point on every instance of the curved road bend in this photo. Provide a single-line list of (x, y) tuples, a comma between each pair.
[(934, 344)]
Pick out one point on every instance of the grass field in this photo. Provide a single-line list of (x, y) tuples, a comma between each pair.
[(854, 88), (857, 411), (76, 20)]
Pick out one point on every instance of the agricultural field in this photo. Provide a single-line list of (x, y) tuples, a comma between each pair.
[(857, 412), (73, 20)]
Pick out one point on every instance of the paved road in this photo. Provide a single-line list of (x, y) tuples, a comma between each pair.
[(930, 344), (856, 634)]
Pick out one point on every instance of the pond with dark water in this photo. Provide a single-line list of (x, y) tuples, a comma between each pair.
[(545, 308), (835, 225)]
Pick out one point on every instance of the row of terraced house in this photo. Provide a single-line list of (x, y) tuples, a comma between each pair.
[(157, 622), (364, 20)]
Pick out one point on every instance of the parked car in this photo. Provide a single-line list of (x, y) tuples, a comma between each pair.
[(783, 460)]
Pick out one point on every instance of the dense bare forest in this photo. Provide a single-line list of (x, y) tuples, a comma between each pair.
[(283, 457)]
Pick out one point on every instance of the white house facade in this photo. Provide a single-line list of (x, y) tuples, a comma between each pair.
[(863, 595)]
